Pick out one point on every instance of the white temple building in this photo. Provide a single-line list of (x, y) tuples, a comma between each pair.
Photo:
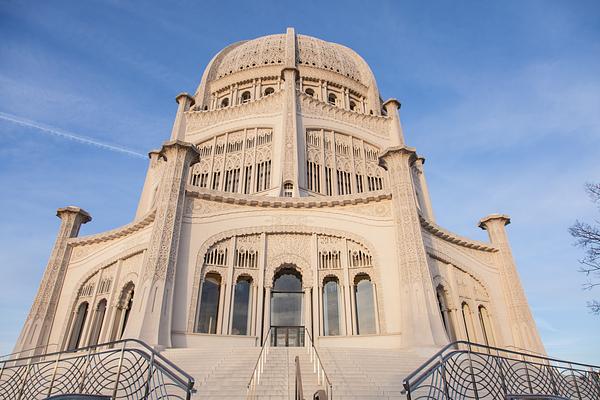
[(287, 203)]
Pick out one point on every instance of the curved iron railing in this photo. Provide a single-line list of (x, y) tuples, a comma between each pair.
[(123, 369), (465, 370)]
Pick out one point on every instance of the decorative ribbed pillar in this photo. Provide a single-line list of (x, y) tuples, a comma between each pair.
[(419, 313), (523, 328), (37, 327), (153, 324)]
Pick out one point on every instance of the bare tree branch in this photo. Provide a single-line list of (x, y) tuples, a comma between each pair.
[(587, 237)]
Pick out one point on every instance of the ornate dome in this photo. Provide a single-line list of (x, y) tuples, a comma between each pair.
[(288, 50), (310, 51)]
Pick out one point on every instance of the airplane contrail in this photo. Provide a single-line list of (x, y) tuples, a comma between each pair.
[(68, 135)]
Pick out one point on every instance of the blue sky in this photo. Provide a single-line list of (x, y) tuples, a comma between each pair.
[(502, 98)]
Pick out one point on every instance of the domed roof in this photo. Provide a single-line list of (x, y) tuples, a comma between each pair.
[(270, 49), (289, 50)]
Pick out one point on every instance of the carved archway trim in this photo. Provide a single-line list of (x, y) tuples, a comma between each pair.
[(73, 302), (304, 265)]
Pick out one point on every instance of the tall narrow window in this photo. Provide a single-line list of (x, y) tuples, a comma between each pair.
[(79, 323), (446, 319), (365, 305), (216, 180), (328, 182), (359, 183), (263, 176), (468, 321), (241, 306), (209, 304), (98, 322), (486, 326), (247, 180), (331, 307)]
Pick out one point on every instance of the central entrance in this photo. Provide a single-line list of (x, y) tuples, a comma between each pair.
[(286, 308)]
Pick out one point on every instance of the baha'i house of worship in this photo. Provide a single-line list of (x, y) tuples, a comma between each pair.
[(287, 210)]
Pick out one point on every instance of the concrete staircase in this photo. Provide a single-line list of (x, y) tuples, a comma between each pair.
[(360, 373), (278, 378), (356, 373), (220, 373)]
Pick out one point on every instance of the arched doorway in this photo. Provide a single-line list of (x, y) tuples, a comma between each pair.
[(287, 328)]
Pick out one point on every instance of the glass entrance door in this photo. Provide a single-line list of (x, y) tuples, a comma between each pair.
[(287, 328)]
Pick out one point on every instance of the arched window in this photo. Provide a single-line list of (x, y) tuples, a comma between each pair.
[(352, 106), (225, 102), (245, 97), (98, 322), (123, 311), (269, 91), (79, 323), (288, 189), (241, 306), (310, 92), (364, 298), (446, 318), (331, 307), (486, 326), (286, 300), (468, 322), (209, 304), (331, 99)]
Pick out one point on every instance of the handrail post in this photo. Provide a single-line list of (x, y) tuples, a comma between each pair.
[(527, 374), (501, 372), (22, 389), (54, 374), (86, 365), (552, 380), (116, 388), (471, 371), (575, 380), (444, 379), (150, 372)]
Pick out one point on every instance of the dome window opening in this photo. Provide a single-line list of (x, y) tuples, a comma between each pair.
[(332, 99), (310, 92), (245, 98), (225, 102), (288, 189), (352, 106), (269, 91)]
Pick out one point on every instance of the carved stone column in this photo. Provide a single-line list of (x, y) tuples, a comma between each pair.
[(421, 324), (426, 207), (37, 327), (154, 323), (522, 324)]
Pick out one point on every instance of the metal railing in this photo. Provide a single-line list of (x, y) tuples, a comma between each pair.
[(298, 390), (17, 354), (259, 367), (123, 369), (322, 378), (465, 370)]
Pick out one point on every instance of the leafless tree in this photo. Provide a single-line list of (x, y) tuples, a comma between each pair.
[(587, 236)]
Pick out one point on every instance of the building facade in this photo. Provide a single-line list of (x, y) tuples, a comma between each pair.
[(286, 199)]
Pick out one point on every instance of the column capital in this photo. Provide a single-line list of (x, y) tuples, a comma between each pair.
[(391, 105), (176, 144), (63, 211), (394, 151), (183, 97), (485, 222)]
